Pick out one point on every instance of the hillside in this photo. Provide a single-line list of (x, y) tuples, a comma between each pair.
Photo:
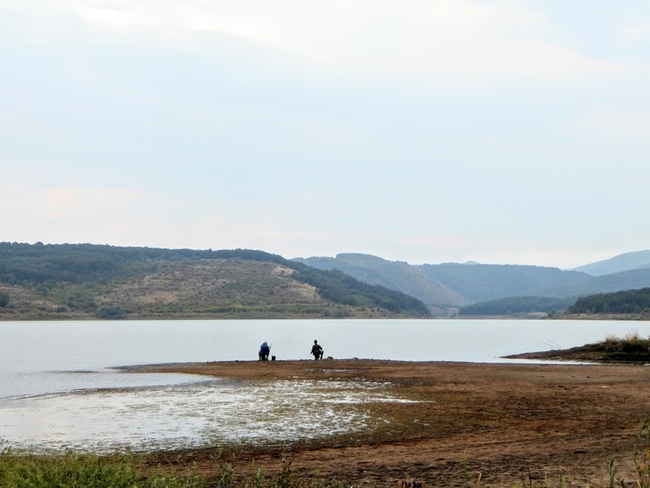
[(621, 302), (521, 306), (450, 285), (484, 289), (86, 281), (397, 275), (625, 280), (560, 297), (485, 282), (622, 262)]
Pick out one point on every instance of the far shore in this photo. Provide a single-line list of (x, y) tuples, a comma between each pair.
[(52, 317)]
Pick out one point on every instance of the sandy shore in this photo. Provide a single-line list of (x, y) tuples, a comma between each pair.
[(510, 423)]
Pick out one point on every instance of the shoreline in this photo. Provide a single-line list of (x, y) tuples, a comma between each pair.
[(51, 317), (504, 421)]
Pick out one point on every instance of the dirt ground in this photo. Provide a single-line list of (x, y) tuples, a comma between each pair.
[(509, 424)]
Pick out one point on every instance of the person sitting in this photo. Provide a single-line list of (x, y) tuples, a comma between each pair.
[(316, 350), (265, 350)]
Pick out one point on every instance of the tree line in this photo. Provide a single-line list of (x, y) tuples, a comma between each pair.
[(517, 305), (630, 301)]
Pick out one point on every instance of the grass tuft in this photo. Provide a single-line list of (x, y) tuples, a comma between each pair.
[(129, 471), (642, 455)]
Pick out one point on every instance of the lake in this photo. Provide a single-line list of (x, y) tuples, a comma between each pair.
[(59, 388)]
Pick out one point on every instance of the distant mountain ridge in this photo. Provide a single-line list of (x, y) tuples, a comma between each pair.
[(83, 280), (398, 275), (625, 280), (485, 282), (446, 286), (623, 262)]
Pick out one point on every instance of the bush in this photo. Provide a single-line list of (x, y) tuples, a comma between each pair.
[(110, 312), (4, 299)]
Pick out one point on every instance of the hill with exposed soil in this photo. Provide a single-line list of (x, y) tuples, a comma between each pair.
[(88, 281)]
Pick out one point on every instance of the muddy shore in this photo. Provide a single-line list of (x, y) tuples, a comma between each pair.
[(512, 424)]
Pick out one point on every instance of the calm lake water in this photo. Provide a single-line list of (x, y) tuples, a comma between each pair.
[(58, 388)]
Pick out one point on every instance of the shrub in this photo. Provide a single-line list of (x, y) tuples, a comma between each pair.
[(110, 312)]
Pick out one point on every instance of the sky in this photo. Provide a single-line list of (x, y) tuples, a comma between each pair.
[(426, 131)]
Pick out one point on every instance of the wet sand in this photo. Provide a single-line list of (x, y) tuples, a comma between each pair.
[(512, 424)]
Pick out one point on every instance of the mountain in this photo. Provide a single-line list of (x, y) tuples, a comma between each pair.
[(485, 282), (396, 275), (625, 280), (622, 262), (622, 302), (449, 285), (84, 281)]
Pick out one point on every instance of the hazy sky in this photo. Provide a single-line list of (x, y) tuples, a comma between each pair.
[(422, 131)]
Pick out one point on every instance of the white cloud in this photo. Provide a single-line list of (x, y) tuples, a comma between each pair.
[(448, 41)]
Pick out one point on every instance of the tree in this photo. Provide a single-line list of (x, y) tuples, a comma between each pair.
[(110, 312)]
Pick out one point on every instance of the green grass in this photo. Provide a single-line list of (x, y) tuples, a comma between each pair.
[(21, 470), (70, 470)]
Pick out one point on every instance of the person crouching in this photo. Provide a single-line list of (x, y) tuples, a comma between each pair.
[(265, 350), (317, 351)]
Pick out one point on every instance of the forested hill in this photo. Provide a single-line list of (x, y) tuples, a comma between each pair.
[(622, 302), (82, 280), (517, 306)]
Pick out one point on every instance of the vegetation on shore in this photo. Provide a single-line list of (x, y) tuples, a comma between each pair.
[(517, 305), (629, 304), (629, 349), (91, 281), (622, 302)]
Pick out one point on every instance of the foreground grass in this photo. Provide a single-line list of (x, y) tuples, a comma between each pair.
[(21, 470), (69, 470)]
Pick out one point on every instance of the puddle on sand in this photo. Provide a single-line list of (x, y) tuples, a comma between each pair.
[(191, 415)]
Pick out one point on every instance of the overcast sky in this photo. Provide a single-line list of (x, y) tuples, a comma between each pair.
[(422, 131)]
